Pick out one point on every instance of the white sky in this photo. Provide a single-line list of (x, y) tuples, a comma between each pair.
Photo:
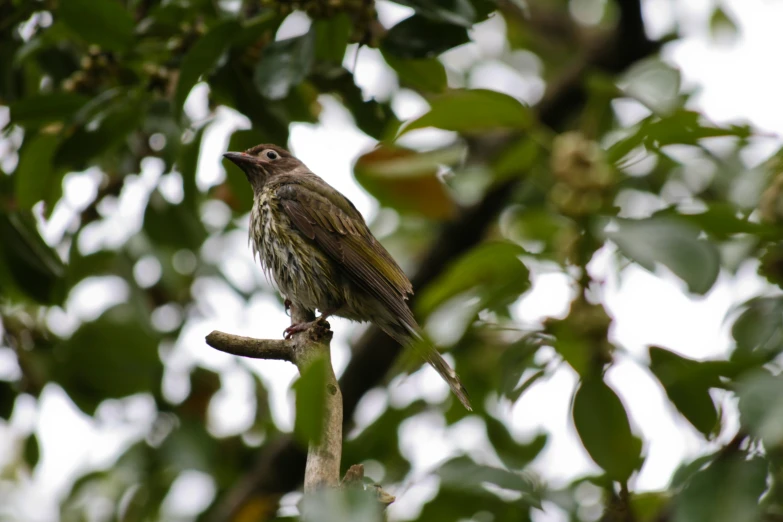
[(738, 80)]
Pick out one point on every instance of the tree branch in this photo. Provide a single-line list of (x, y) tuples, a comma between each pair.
[(322, 468), (374, 353), (354, 478), (273, 349)]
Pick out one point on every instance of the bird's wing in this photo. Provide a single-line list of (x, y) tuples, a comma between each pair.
[(342, 234), (330, 220)]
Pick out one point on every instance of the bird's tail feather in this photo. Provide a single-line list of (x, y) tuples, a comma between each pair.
[(408, 336)]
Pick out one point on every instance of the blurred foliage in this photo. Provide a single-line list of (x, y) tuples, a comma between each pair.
[(95, 88)]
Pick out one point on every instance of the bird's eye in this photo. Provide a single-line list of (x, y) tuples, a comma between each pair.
[(271, 154)]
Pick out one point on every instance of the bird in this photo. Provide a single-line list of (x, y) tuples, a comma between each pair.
[(315, 245)]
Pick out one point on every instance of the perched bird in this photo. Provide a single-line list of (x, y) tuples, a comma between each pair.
[(322, 255)]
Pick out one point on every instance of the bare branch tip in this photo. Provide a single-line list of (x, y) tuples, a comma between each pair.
[(275, 349)]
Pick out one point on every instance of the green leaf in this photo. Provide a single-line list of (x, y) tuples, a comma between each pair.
[(424, 74), (655, 84), (517, 392), (540, 225), (722, 220), (35, 177), (231, 86), (463, 473), (187, 164), (111, 357), (515, 455), (517, 358), (35, 268), (761, 406), (202, 57), (650, 506), (673, 243), (103, 262), (407, 180), (301, 104), (493, 271), (680, 127), (372, 117), (175, 226), (101, 105), (580, 344), (603, 427), (191, 446), (45, 108), (262, 26), (342, 505), (686, 470), (722, 26), (473, 111), (32, 451), (421, 37), (381, 439), (103, 22), (284, 64), (758, 331), (687, 383), (728, 490), (311, 402), (516, 159), (263, 420), (168, 15), (204, 384), (458, 504), (7, 399), (331, 37), (686, 128), (82, 147), (456, 12)]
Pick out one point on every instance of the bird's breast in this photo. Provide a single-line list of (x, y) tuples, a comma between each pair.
[(302, 272)]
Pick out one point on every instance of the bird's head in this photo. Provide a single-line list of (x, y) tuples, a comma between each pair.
[(264, 161)]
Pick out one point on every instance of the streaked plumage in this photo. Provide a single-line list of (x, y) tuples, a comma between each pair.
[(316, 246)]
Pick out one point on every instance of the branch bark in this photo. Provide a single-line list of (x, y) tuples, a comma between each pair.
[(374, 353), (322, 468), (273, 349)]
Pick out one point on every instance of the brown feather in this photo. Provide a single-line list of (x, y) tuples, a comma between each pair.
[(354, 252)]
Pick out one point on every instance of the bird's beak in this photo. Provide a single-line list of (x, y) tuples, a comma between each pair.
[(241, 160)]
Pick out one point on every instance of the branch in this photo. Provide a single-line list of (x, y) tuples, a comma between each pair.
[(374, 353), (354, 478), (322, 467), (273, 349)]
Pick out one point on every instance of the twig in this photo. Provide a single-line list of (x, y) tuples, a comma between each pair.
[(272, 349), (354, 478)]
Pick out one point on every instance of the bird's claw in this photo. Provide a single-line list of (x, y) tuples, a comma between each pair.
[(295, 328), (301, 327), (287, 303)]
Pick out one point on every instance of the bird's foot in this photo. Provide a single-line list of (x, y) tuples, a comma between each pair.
[(301, 327), (296, 328), (287, 303)]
